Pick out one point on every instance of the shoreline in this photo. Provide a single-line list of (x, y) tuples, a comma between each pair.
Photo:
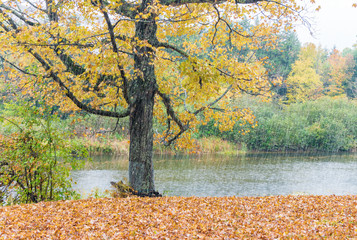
[(206, 146)]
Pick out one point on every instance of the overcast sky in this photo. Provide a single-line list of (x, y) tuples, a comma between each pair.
[(335, 25)]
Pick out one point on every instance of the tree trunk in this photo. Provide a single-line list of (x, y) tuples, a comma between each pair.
[(142, 93), (141, 171)]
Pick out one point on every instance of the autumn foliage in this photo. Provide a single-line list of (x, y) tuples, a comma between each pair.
[(83, 57), (274, 217), (170, 60)]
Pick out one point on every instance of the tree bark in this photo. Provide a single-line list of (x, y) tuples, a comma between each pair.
[(142, 92), (141, 171)]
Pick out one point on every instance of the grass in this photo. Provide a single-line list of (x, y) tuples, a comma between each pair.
[(103, 145), (215, 145), (109, 145)]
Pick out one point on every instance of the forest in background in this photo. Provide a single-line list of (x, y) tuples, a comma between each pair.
[(312, 106)]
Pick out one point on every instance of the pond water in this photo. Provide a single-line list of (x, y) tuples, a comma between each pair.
[(242, 175)]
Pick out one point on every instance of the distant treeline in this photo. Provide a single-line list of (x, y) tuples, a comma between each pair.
[(299, 72)]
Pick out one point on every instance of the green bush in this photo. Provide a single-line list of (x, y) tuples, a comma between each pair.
[(325, 125), (35, 158)]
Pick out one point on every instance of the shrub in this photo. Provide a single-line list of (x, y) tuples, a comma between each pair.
[(35, 159), (325, 124)]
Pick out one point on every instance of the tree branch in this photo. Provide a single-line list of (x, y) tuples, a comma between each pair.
[(184, 54), (34, 6), (10, 21), (72, 67), (166, 99), (18, 15), (115, 49), (51, 10), (68, 93), (215, 101), (88, 45), (77, 69), (171, 113), (18, 68), (172, 47), (123, 7), (182, 2), (72, 97)]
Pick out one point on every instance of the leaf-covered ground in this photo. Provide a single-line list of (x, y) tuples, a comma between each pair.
[(285, 217)]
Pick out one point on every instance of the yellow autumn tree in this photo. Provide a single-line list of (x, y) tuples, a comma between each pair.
[(303, 82), (120, 58)]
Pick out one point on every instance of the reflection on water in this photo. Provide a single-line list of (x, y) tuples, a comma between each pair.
[(244, 175)]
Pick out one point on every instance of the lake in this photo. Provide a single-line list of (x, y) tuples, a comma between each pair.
[(243, 175)]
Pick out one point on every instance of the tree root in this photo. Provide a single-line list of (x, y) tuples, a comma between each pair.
[(123, 190)]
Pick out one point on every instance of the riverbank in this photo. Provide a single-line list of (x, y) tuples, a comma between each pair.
[(324, 125), (205, 145), (283, 217), (109, 145)]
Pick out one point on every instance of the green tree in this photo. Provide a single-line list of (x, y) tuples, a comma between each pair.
[(35, 159), (350, 85), (280, 59)]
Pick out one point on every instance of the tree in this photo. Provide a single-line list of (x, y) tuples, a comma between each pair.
[(350, 85), (340, 73), (281, 57), (303, 82), (114, 59)]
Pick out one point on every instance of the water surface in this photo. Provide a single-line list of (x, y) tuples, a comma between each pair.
[(243, 175)]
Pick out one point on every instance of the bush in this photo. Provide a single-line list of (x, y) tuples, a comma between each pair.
[(35, 159), (326, 124)]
